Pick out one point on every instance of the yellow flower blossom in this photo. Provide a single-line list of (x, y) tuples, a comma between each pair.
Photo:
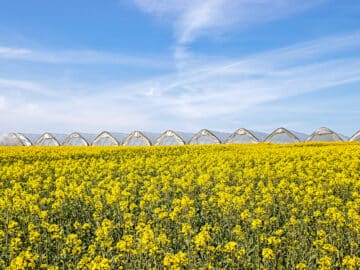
[(175, 261), (189, 207), (267, 254)]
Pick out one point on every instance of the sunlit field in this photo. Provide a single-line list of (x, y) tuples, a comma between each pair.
[(189, 207)]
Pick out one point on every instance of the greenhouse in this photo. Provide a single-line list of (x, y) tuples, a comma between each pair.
[(244, 135), (20, 139), (355, 137), (324, 135), (282, 135), (48, 139), (79, 139), (206, 136), (106, 138), (29, 138), (169, 137), (12, 139), (140, 138)]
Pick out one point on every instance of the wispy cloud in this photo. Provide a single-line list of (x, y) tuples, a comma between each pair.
[(195, 98), (193, 18), (234, 87), (8, 52), (82, 57), (11, 86)]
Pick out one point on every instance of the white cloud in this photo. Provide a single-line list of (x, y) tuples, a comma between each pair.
[(211, 95), (7, 52), (29, 87), (82, 57), (193, 18)]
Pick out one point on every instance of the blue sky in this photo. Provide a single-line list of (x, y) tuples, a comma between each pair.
[(121, 65)]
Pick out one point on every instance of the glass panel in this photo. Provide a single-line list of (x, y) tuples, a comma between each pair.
[(10, 140), (76, 142), (241, 139), (137, 141), (48, 142), (205, 139), (105, 141), (324, 138), (169, 140), (357, 138), (282, 138)]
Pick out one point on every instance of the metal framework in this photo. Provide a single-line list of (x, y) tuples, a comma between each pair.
[(324, 134), (205, 136), (22, 139), (27, 139), (105, 139), (137, 138), (282, 135), (11, 139), (77, 139), (355, 137), (169, 137), (48, 139), (242, 135)]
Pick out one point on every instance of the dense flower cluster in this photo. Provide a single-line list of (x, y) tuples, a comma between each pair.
[(191, 207)]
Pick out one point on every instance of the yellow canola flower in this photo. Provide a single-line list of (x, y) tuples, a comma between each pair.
[(301, 266), (25, 260), (230, 246), (256, 224), (325, 263), (190, 207), (268, 254), (202, 239), (99, 263), (351, 262), (175, 261)]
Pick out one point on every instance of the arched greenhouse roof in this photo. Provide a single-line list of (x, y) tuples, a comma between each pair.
[(11, 139), (79, 139), (324, 134), (206, 136), (27, 139), (31, 137), (106, 138), (169, 137), (282, 135), (140, 138), (48, 139), (355, 137), (243, 135)]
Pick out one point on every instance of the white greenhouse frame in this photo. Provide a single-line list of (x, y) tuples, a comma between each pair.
[(168, 135), (319, 135), (46, 137), (137, 135), (355, 137), (282, 131), (24, 139), (244, 133), (113, 138), (213, 136), (14, 139), (84, 138)]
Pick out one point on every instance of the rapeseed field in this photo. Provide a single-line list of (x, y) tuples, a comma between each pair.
[(190, 207)]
